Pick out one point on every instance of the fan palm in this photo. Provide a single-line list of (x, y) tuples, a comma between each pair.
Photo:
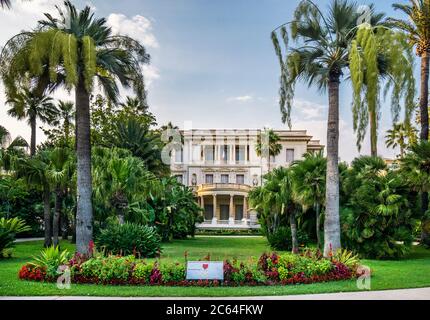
[(415, 166), (400, 135), (417, 27), (64, 117), (29, 105), (309, 184), (268, 145), (10, 150), (320, 59), (83, 49), (59, 173), (35, 172)]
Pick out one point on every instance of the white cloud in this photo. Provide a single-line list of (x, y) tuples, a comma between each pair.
[(151, 73), (137, 27), (245, 98), (309, 110)]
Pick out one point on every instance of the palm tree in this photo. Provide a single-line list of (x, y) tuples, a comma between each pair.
[(81, 48), (59, 174), (136, 137), (10, 150), (320, 59), (415, 166), (35, 172), (268, 145), (65, 117), (275, 199), (29, 105), (417, 27), (400, 135), (309, 185)]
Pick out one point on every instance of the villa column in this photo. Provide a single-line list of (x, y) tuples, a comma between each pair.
[(214, 217), (231, 213), (245, 210), (202, 202)]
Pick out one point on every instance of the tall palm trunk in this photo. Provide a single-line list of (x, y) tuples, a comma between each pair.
[(318, 227), (331, 222), (373, 134), (33, 136), (56, 218), (47, 216), (84, 214), (293, 226), (424, 135)]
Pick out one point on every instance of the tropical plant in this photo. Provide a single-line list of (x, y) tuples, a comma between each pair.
[(63, 123), (274, 201), (120, 180), (400, 135), (417, 28), (80, 49), (8, 229), (379, 216), (34, 171), (10, 150), (50, 259), (281, 239), (60, 175), (309, 185), (27, 104), (415, 167), (268, 145), (130, 238), (320, 58)]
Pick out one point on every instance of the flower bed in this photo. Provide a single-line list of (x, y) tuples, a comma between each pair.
[(270, 269)]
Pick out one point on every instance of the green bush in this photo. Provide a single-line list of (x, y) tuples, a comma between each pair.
[(308, 265), (142, 271), (130, 238), (173, 272), (8, 229), (108, 268), (281, 238)]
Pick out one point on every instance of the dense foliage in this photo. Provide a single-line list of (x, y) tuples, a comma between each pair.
[(8, 229), (129, 238), (281, 238), (270, 269)]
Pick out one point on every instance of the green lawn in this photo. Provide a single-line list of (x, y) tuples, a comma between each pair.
[(411, 272)]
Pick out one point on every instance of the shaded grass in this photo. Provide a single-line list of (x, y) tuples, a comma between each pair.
[(410, 272)]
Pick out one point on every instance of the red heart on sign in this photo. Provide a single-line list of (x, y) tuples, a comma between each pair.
[(205, 266)]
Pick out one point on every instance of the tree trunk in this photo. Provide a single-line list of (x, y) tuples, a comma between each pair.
[(331, 222), (424, 135), (56, 218), (373, 133), (33, 137), (47, 217), (73, 240), (84, 214), (317, 219), (294, 241)]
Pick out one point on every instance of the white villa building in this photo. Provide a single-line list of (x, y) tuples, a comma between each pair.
[(222, 166)]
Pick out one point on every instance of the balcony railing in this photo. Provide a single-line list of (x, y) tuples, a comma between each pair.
[(219, 186)]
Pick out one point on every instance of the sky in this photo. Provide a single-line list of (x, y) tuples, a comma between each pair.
[(212, 65)]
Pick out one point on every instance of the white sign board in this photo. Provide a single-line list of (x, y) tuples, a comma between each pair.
[(205, 270)]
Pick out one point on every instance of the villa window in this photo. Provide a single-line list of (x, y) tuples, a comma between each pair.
[(224, 178), (290, 155), (209, 178), (240, 179), (224, 153), (209, 153), (240, 153)]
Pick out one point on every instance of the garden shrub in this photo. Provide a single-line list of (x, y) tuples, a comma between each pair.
[(130, 238), (8, 229), (281, 238), (270, 269), (142, 271), (50, 259)]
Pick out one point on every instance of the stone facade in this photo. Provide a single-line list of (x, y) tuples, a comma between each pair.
[(222, 166)]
